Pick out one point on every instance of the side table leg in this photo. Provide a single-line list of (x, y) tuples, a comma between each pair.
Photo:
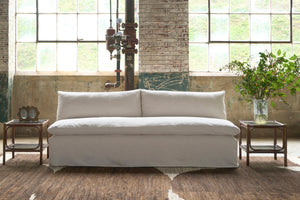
[(4, 143), (285, 145), (47, 139), (240, 143), (41, 144), (275, 142), (13, 140), (248, 144)]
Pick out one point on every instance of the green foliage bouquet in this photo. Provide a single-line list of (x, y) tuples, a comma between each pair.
[(269, 78)]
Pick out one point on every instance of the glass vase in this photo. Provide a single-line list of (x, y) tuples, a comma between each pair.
[(260, 111)]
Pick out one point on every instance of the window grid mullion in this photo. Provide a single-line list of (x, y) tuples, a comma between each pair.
[(228, 29), (270, 33), (209, 31), (36, 35), (16, 43), (77, 28), (98, 36), (291, 21), (56, 46)]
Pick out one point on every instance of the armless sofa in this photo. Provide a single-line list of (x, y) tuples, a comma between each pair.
[(143, 128)]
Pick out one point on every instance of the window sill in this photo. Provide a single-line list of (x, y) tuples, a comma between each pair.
[(110, 73), (32, 73), (212, 74)]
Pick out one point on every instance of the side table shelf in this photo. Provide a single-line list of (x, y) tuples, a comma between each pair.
[(41, 125), (248, 148), (264, 148), (24, 147)]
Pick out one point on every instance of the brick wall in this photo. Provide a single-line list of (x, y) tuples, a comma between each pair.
[(7, 55), (3, 35), (163, 44), (4, 60)]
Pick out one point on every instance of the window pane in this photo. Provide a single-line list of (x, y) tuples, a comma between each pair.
[(136, 60), (260, 6), (280, 6), (26, 56), (219, 27), (87, 27), (260, 28), (218, 56), (46, 57), (47, 6), (26, 6), (88, 6), (198, 28), (67, 27), (255, 49), (280, 27), (296, 5), (239, 27), (103, 6), (122, 7), (87, 57), (239, 52), (239, 6), (105, 64), (198, 57), (67, 6), (219, 6), (137, 21), (198, 6), (67, 57), (283, 47), (296, 28), (47, 27), (26, 28), (136, 5), (296, 49), (104, 19)]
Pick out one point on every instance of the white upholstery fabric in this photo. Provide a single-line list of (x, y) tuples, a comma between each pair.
[(196, 104), (143, 151), (144, 125), (98, 104)]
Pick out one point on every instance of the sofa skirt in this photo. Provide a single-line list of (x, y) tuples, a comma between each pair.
[(207, 151)]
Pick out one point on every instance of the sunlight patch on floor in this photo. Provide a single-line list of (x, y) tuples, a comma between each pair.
[(54, 168), (173, 196), (32, 197), (172, 172)]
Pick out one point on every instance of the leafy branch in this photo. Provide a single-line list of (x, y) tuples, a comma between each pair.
[(269, 78)]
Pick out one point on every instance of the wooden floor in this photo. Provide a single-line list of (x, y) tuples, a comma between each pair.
[(24, 178)]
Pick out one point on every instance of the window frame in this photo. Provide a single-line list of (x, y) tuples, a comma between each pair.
[(67, 41), (249, 14), (103, 66), (206, 64)]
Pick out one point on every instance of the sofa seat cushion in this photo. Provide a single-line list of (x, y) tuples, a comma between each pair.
[(144, 125)]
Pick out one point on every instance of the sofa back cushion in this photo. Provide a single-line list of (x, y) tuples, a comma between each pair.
[(98, 104), (196, 104)]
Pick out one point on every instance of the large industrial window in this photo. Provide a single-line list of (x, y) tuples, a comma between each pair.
[(64, 35), (224, 30)]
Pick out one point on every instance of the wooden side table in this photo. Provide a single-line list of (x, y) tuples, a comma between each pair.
[(41, 125), (248, 148)]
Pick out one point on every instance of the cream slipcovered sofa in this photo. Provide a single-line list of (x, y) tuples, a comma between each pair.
[(143, 128)]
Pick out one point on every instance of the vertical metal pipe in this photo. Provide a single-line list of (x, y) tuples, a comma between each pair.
[(110, 15), (117, 17), (129, 56), (118, 68)]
